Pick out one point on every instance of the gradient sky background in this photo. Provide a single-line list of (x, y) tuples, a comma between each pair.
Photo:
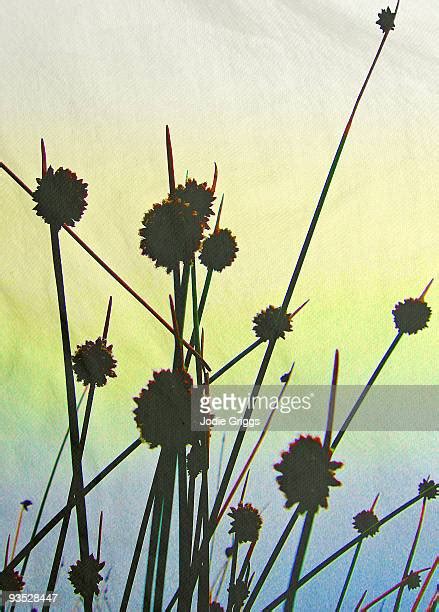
[(264, 89)]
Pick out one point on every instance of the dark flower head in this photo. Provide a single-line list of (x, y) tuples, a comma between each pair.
[(272, 323), (196, 460), (172, 232), (219, 250), (93, 362), (60, 197), (229, 551), (214, 606), (386, 20), (365, 522), (163, 413), (307, 472), (85, 577), (411, 315), (239, 593), (246, 522), (413, 581), (11, 581), (428, 488), (26, 503), (198, 196)]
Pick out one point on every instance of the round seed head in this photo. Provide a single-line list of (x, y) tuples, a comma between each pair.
[(386, 20), (11, 581), (219, 250), (93, 362), (60, 197), (163, 413), (246, 522), (413, 581), (411, 315), (171, 233), (428, 488), (272, 323), (307, 472), (198, 196), (85, 577), (365, 522)]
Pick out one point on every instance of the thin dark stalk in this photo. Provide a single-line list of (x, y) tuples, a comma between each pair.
[(232, 580), (56, 563), (298, 561), (235, 360), (411, 555), (348, 577), (341, 551), (78, 480), (204, 576), (185, 520), (425, 585), (44, 531), (200, 312), (65, 524), (49, 484), (99, 546), (139, 545), (153, 546), (366, 390), (271, 561), (290, 290), (246, 562), (168, 496), (191, 504), (195, 319)]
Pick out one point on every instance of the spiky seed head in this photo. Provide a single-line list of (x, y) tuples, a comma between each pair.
[(11, 581), (60, 197), (428, 488), (246, 522), (307, 472), (365, 522), (272, 323), (215, 606), (413, 581), (85, 576), (219, 250), (172, 232), (198, 196), (163, 413), (411, 315), (93, 362), (239, 593), (386, 20)]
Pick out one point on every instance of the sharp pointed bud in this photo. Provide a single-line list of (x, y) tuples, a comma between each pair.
[(372, 508), (424, 293), (215, 178), (43, 158), (218, 217)]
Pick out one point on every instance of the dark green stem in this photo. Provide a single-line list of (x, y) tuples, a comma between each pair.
[(235, 360), (298, 561), (139, 545), (365, 391), (185, 520), (200, 313), (348, 577), (271, 561), (168, 497), (410, 557), (78, 481), (230, 600)]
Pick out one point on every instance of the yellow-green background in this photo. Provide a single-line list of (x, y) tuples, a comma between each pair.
[(264, 89)]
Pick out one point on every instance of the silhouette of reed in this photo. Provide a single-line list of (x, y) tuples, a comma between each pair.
[(176, 238)]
